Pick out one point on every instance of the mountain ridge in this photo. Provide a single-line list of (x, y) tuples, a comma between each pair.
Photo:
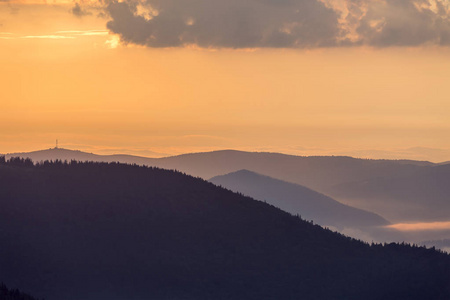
[(297, 199), (333, 176), (68, 151), (286, 167), (112, 231)]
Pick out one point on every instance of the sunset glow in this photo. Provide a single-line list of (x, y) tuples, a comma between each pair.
[(224, 149), (66, 75)]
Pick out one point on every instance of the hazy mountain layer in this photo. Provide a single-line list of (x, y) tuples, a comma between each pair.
[(298, 199), (98, 231), (422, 195), (318, 173), (400, 190)]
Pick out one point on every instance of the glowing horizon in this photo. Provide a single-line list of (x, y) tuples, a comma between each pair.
[(67, 75)]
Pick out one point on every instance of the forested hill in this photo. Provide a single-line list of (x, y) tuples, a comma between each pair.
[(317, 172), (14, 294), (110, 231)]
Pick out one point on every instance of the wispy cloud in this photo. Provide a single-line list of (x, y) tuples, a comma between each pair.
[(420, 226), (58, 35), (38, 2), (78, 11), (113, 42), (83, 32), (6, 36), (52, 37)]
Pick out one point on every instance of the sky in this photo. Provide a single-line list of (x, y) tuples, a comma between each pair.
[(335, 77)]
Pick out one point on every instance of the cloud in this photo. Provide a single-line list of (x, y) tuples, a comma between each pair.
[(276, 23), (421, 226), (51, 37), (58, 35), (6, 36), (405, 23), (84, 32), (224, 23), (79, 11)]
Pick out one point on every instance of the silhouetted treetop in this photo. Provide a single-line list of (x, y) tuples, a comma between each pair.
[(13, 294)]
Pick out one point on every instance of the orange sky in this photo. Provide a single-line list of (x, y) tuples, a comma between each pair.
[(66, 77)]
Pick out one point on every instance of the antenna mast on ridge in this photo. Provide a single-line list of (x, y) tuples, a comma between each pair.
[(56, 144)]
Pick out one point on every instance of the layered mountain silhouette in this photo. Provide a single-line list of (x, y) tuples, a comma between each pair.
[(112, 231), (318, 173), (422, 195), (315, 172), (297, 199), (395, 189)]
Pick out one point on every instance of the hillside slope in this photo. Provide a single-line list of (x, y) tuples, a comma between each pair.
[(395, 189), (108, 231), (298, 199)]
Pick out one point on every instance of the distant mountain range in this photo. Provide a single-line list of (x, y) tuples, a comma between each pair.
[(421, 195), (317, 172), (110, 231), (298, 199), (399, 190)]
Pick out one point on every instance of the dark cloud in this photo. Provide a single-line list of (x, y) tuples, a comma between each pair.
[(278, 23), (225, 23), (405, 23), (79, 11)]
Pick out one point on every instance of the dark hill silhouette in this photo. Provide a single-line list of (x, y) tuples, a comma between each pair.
[(400, 190), (422, 195), (297, 199), (443, 244), (13, 294), (111, 231), (66, 154)]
